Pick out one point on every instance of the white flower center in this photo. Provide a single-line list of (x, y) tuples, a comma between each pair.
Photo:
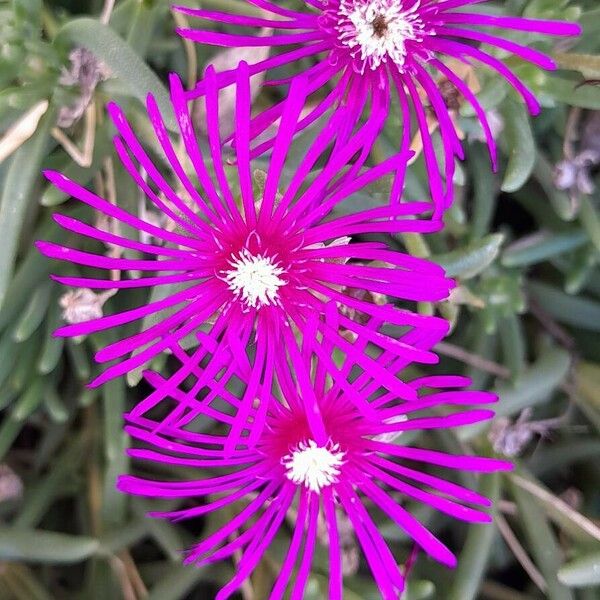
[(254, 279), (377, 30), (314, 466)]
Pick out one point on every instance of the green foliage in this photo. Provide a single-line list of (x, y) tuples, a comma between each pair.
[(525, 316)]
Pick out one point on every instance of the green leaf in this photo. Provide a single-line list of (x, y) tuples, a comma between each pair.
[(581, 572), (52, 346), (539, 247), (559, 199), (520, 145), (587, 64), (570, 310), (34, 313), (55, 407), (485, 192), (176, 583), (16, 195), (114, 503), (475, 555), (568, 519), (79, 359), (572, 93), (40, 496), (542, 542), (30, 400), (513, 344), (44, 546), (533, 387), (122, 60), (23, 583), (590, 220), (473, 259)]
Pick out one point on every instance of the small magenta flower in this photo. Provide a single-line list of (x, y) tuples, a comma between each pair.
[(373, 50), (250, 259), (317, 457)]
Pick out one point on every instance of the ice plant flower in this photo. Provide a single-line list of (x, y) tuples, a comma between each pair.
[(248, 269), (376, 49), (317, 455)]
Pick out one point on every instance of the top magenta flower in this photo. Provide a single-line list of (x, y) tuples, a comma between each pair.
[(373, 48)]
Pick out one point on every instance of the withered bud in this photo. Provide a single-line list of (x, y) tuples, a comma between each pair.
[(82, 304), (511, 439), (450, 93), (11, 486), (85, 71)]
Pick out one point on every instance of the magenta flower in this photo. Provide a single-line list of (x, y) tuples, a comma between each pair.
[(317, 455), (252, 267), (372, 49)]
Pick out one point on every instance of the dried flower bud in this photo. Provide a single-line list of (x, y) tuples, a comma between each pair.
[(511, 439), (83, 304), (11, 486), (86, 71)]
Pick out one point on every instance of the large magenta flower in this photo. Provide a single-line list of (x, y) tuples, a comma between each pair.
[(372, 49), (316, 455), (252, 266)]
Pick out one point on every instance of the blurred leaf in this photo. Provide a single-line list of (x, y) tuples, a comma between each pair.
[(542, 543), (581, 572), (22, 583), (485, 191), (418, 589), (590, 220), (34, 313), (37, 546), (533, 387), (560, 200), (52, 345), (587, 64), (46, 489), (30, 400), (472, 259), (570, 310), (587, 377), (572, 93), (16, 194), (176, 583), (568, 519), (520, 145), (122, 61), (477, 548), (513, 344), (79, 359), (541, 246)]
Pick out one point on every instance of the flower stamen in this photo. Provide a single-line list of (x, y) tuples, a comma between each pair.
[(377, 31), (314, 466), (254, 279)]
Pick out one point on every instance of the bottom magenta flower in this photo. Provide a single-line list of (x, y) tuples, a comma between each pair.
[(318, 455)]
